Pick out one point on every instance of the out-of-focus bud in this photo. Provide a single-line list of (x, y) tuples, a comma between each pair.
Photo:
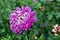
[(34, 37), (42, 8)]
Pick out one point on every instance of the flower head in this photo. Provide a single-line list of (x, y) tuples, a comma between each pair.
[(22, 19), (56, 29)]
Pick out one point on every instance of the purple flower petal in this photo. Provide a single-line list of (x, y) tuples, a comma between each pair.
[(28, 9)]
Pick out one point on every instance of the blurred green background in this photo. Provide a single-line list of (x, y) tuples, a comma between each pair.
[(47, 12)]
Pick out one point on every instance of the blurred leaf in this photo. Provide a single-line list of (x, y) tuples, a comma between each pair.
[(26, 37), (58, 15), (42, 37), (50, 38), (37, 5), (2, 31), (58, 0), (7, 38), (50, 17)]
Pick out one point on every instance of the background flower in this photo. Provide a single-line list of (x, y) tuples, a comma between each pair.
[(56, 29)]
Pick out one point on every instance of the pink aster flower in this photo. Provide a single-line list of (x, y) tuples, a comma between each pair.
[(22, 19)]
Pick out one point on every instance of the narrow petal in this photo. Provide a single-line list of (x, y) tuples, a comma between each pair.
[(18, 8), (28, 9)]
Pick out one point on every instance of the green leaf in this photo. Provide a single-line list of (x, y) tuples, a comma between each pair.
[(2, 30), (26, 37), (50, 38), (42, 37), (50, 17), (58, 0), (37, 5), (57, 15)]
